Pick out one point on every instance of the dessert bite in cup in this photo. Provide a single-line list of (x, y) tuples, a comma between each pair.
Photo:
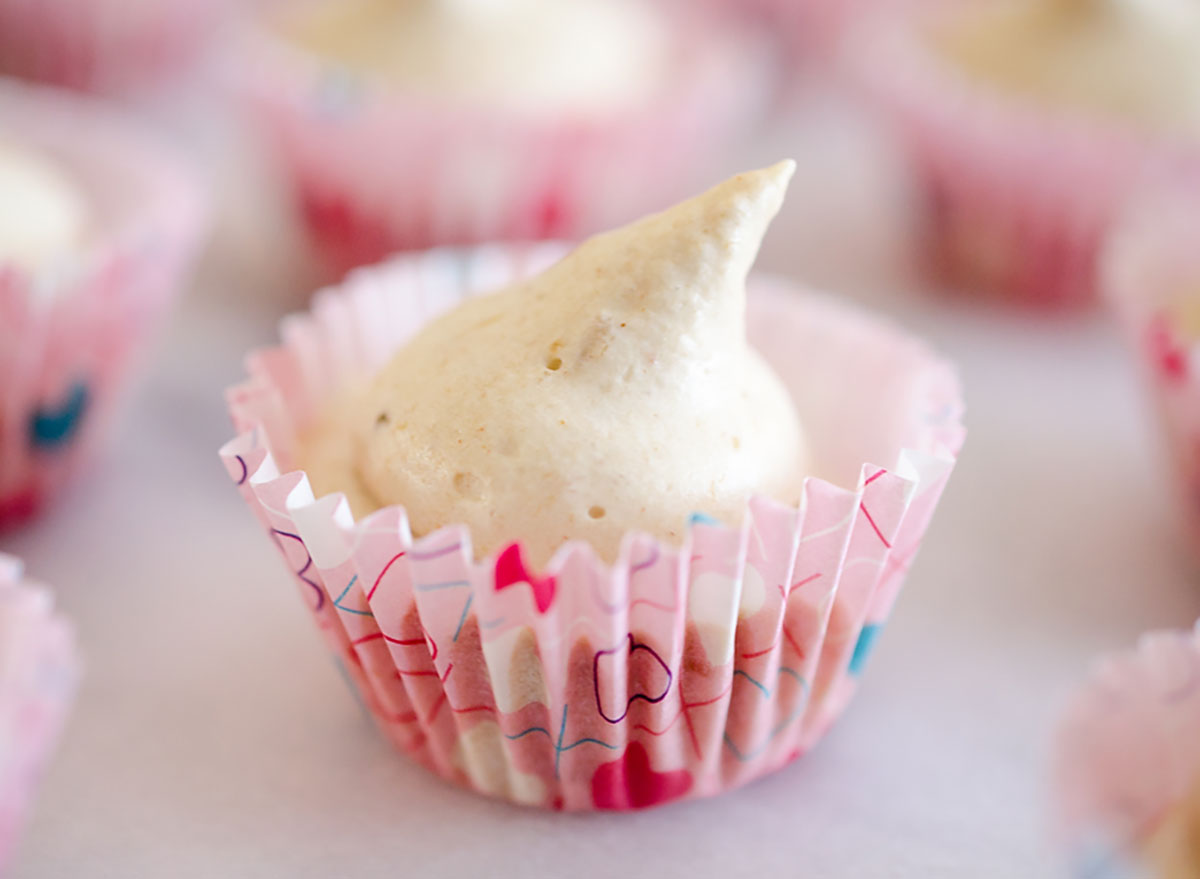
[(392, 142), (1128, 763), (1150, 276), (98, 223), (1030, 121), (104, 44), (39, 668), (605, 530)]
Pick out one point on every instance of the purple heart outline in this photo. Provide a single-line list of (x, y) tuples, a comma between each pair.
[(633, 647)]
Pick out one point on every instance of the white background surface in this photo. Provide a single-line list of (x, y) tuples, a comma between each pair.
[(213, 736)]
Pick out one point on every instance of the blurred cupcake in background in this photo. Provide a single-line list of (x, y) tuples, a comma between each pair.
[(1150, 274), (410, 123), (809, 30), (39, 668), (1029, 121), (104, 44), (1127, 770), (609, 536), (98, 224)]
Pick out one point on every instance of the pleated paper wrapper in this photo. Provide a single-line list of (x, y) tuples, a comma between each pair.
[(1150, 276), (102, 45), (375, 168), (71, 333), (1128, 754), (1020, 199), (680, 671), (39, 668)]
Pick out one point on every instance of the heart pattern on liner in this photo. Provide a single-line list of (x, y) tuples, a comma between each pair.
[(630, 782), (649, 674), (510, 570), (1166, 350)]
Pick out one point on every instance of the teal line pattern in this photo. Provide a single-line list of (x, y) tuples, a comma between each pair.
[(463, 619), (745, 757), (337, 602), (863, 647), (559, 747), (354, 694)]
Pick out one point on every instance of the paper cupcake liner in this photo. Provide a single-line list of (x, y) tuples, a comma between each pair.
[(677, 672), (1128, 751), (39, 668), (70, 333), (1020, 198), (1150, 275), (98, 44), (810, 30), (376, 169)]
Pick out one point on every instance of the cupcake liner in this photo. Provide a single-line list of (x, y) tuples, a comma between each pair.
[(102, 44), (1150, 275), (1128, 751), (1020, 198), (810, 30), (377, 169), (70, 332), (676, 672), (39, 668)]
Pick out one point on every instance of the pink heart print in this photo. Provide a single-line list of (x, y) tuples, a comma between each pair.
[(510, 569), (630, 782), (1165, 349)]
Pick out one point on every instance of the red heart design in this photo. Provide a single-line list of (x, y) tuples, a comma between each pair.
[(510, 569), (630, 782), (1165, 349)]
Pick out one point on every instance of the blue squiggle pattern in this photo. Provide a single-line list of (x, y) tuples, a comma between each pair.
[(746, 756), (463, 619), (337, 602)]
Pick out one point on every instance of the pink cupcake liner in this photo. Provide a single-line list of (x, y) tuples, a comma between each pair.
[(1128, 751), (101, 44), (39, 668), (376, 169), (810, 30), (678, 671), (70, 333), (1020, 198), (1149, 269)]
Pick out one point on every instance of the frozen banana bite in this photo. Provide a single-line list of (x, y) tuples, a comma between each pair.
[(42, 211), (536, 54), (1133, 61), (615, 391)]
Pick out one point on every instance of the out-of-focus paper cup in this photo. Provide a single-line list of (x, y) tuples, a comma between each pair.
[(39, 667), (70, 332), (679, 671), (103, 44), (1150, 274), (811, 31), (1128, 753), (1020, 197), (376, 168)]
